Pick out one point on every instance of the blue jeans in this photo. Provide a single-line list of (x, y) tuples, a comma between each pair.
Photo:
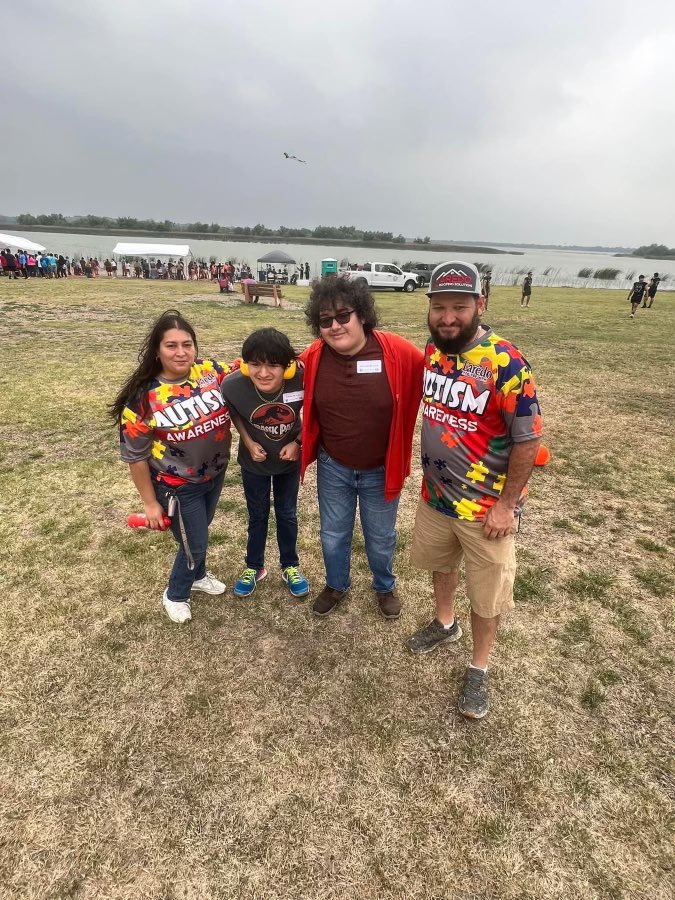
[(197, 506), (257, 490), (339, 488)]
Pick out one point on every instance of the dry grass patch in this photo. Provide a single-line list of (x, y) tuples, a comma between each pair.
[(259, 753)]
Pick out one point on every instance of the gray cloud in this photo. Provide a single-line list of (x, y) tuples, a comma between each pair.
[(517, 121)]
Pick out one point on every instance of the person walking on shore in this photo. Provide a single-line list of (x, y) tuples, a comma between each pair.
[(481, 430), (636, 295), (652, 288), (527, 290)]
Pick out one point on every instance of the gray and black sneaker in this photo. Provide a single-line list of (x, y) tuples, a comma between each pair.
[(433, 635), (473, 702)]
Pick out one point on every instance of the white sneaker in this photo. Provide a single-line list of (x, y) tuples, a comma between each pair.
[(177, 610), (209, 584)]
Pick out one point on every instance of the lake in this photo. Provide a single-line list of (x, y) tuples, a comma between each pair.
[(553, 268)]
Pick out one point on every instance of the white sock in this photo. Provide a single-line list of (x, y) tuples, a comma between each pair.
[(478, 668), (448, 627)]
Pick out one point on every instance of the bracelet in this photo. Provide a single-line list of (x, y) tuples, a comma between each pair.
[(298, 441)]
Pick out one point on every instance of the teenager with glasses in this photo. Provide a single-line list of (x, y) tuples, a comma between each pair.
[(362, 391)]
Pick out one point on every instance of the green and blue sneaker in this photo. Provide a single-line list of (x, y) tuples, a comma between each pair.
[(296, 581), (247, 581)]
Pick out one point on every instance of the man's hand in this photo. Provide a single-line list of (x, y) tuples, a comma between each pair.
[(290, 452), (500, 521), (154, 513)]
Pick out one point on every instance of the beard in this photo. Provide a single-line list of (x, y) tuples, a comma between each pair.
[(453, 346)]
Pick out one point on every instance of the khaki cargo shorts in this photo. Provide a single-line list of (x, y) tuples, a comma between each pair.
[(440, 543)]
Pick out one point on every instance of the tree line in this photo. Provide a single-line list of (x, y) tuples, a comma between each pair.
[(656, 250), (335, 232)]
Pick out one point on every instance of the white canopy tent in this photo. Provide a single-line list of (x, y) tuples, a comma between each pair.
[(15, 242), (156, 250), (124, 250)]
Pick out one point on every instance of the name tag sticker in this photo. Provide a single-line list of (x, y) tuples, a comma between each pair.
[(363, 366), (294, 396)]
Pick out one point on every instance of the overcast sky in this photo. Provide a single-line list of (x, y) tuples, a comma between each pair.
[(515, 121)]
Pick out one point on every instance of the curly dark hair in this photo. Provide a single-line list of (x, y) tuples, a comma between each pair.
[(333, 293)]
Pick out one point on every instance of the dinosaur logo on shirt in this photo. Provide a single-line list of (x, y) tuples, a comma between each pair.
[(274, 419)]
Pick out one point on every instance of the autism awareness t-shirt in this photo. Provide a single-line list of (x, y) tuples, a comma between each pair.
[(475, 406), (181, 428)]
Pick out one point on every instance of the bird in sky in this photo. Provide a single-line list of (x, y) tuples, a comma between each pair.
[(288, 156)]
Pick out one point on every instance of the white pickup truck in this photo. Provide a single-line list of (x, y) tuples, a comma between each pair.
[(383, 275)]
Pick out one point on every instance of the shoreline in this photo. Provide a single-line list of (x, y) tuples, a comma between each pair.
[(440, 247)]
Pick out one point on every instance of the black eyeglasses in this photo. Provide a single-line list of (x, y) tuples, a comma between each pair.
[(341, 318)]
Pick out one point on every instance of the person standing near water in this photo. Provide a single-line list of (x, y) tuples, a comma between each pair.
[(487, 280), (527, 290)]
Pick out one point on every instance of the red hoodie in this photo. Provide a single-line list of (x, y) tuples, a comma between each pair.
[(404, 365)]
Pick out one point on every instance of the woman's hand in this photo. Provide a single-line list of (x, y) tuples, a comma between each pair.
[(258, 453), (290, 452), (154, 513)]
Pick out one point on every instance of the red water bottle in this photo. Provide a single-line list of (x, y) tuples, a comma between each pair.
[(139, 520)]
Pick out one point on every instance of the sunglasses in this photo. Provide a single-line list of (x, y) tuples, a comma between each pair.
[(341, 318)]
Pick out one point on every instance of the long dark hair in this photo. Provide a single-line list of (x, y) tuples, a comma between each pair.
[(148, 363)]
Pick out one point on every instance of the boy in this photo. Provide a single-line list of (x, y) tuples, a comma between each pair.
[(636, 294), (265, 400)]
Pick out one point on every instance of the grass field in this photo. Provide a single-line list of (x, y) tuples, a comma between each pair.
[(260, 754)]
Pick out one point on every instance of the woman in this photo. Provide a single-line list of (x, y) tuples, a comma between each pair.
[(175, 435)]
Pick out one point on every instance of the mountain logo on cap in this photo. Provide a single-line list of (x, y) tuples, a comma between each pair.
[(455, 278)]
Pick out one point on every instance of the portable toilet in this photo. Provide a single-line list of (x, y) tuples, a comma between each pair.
[(328, 267)]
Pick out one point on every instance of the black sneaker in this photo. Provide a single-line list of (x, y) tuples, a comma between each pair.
[(433, 635), (473, 702)]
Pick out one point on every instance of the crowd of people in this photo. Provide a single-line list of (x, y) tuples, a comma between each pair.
[(178, 270), (26, 264), (349, 403)]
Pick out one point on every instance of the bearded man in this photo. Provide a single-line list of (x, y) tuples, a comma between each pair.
[(480, 434)]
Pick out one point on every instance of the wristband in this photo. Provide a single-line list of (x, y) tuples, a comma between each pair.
[(298, 441)]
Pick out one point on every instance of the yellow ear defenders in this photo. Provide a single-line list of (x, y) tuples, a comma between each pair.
[(289, 371)]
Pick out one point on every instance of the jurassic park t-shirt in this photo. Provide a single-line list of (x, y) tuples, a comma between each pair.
[(271, 420)]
